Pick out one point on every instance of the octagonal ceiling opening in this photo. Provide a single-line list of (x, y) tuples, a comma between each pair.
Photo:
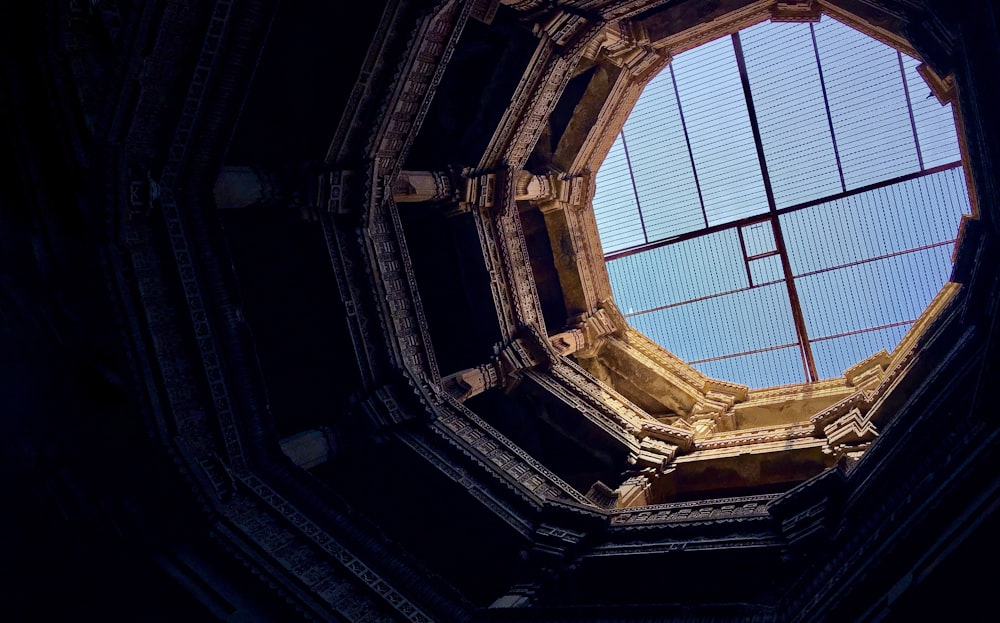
[(782, 202)]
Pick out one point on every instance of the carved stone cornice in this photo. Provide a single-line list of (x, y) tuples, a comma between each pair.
[(869, 372), (849, 431), (579, 390), (499, 456), (665, 380), (753, 436), (479, 490), (943, 88), (873, 20)]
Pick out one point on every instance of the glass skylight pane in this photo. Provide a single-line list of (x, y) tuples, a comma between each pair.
[(661, 163), (678, 272), (744, 321), (887, 220), (614, 203), (758, 238), (873, 294), (766, 270), (935, 123), (835, 355), (791, 113), (781, 366), (871, 122), (718, 124)]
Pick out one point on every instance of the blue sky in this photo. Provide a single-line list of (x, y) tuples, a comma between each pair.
[(864, 265)]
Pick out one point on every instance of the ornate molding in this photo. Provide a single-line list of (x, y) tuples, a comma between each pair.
[(499, 456), (719, 511)]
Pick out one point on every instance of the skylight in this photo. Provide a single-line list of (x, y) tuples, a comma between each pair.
[(782, 203)]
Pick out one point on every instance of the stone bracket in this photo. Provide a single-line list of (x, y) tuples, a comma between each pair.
[(795, 11)]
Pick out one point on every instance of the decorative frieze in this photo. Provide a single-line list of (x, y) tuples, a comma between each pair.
[(721, 510)]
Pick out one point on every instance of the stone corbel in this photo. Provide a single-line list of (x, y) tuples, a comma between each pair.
[(538, 188), (420, 186), (470, 382), (626, 44), (527, 351), (635, 490), (310, 448), (943, 88), (714, 412), (851, 432), (654, 454), (596, 326), (867, 374), (568, 342), (795, 11)]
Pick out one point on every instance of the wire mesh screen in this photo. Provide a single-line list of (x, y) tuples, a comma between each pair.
[(797, 270)]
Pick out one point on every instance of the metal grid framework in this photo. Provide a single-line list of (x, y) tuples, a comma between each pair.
[(782, 203)]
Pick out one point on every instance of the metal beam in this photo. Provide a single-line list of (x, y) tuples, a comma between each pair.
[(808, 362)]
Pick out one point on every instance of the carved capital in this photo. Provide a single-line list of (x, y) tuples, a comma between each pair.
[(680, 437), (596, 326), (602, 495)]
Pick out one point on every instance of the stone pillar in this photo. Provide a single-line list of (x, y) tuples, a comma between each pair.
[(417, 186), (310, 448)]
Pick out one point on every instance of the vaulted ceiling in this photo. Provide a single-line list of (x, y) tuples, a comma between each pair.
[(320, 293)]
